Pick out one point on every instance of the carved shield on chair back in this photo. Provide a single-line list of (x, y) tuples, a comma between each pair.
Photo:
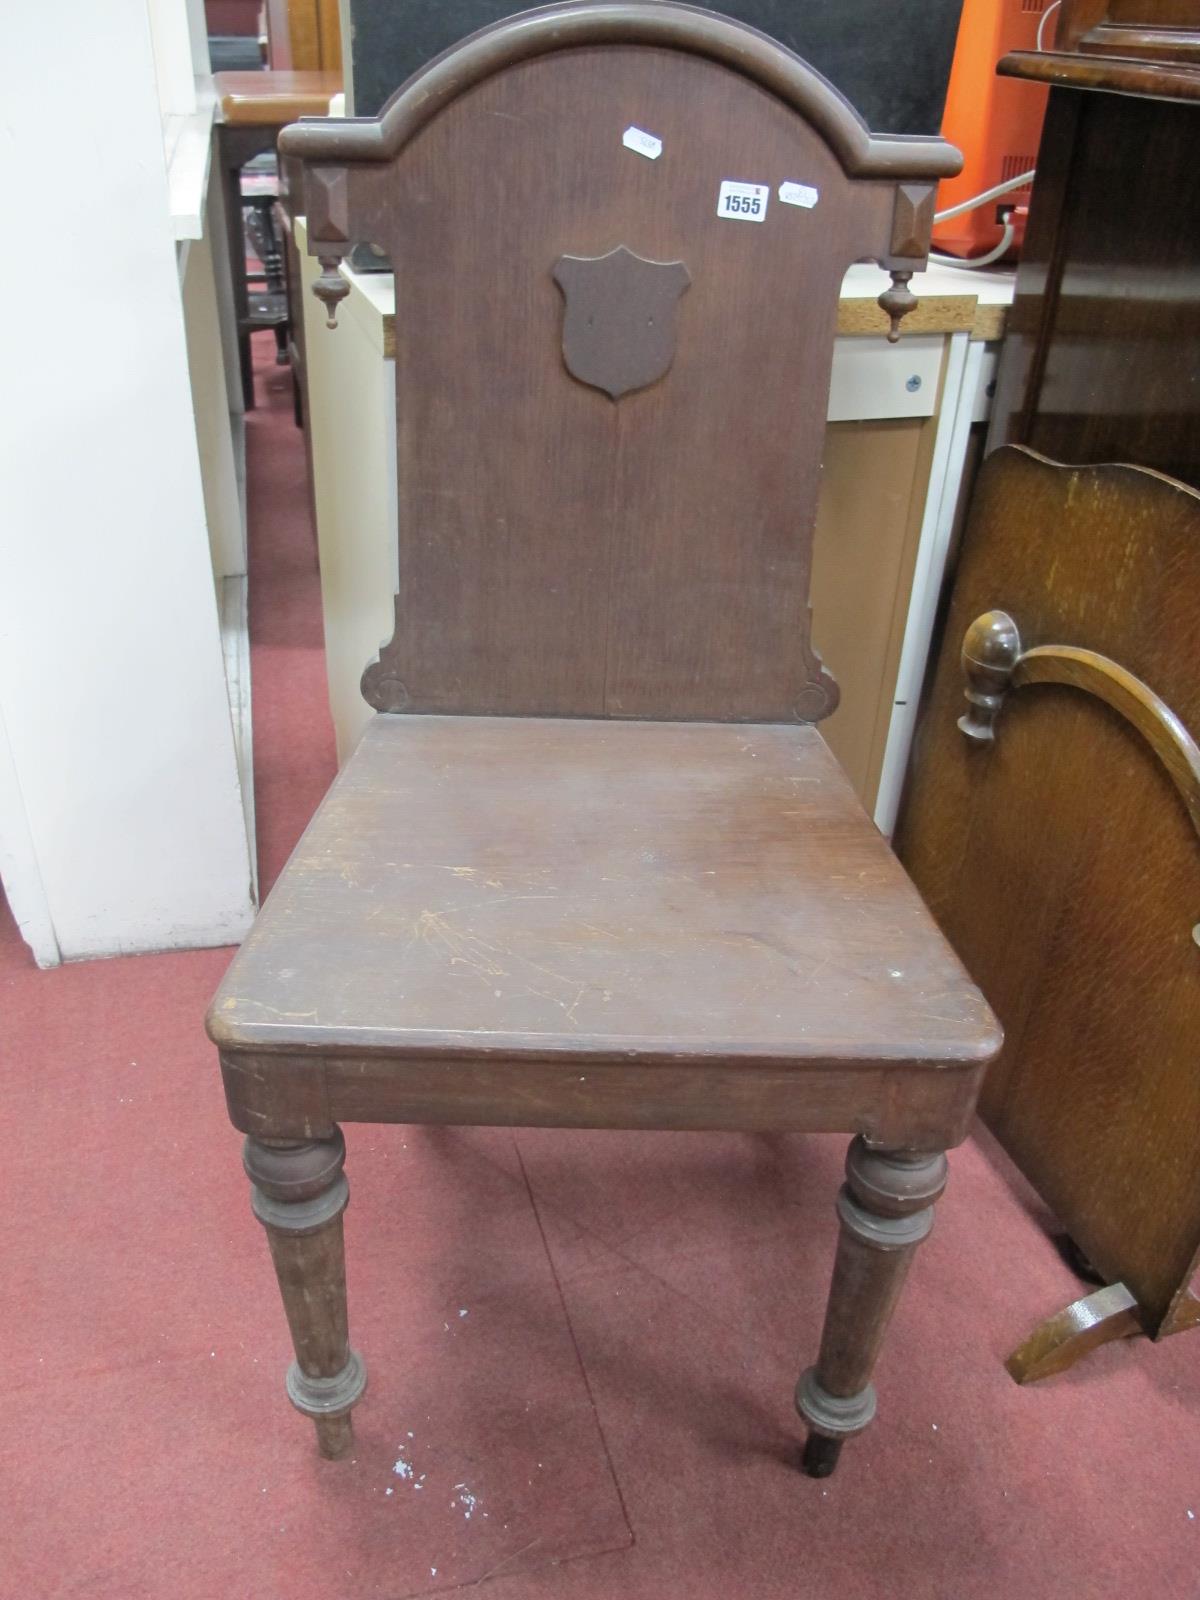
[(619, 318)]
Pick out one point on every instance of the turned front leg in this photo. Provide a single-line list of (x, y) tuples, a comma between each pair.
[(299, 1193), (885, 1209)]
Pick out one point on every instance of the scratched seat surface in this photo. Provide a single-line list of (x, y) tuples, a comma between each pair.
[(532, 886)]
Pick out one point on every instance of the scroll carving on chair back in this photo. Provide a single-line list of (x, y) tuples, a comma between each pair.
[(610, 393)]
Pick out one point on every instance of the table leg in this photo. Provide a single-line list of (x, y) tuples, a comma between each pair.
[(235, 232)]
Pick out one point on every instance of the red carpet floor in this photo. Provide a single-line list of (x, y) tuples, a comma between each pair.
[(582, 1346)]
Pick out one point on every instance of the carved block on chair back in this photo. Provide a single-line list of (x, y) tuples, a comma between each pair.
[(611, 377)]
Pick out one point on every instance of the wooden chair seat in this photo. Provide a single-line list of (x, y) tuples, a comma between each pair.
[(501, 890)]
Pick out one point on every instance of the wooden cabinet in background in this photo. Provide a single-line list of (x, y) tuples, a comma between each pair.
[(303, 35), (1101, 360), (1053, 832)]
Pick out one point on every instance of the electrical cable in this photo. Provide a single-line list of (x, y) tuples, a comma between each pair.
[(1045, 17), (994, 193), (977, 261)]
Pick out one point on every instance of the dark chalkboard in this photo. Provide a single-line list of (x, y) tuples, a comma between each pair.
[(890, 58)]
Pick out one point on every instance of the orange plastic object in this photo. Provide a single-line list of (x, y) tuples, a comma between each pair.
[(995, 122)]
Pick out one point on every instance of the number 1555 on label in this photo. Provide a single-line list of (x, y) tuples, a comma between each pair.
[(744, 202)]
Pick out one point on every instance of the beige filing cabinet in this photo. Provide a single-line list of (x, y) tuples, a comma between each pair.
[(899, 425)]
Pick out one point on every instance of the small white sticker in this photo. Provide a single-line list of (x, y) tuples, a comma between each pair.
[(644, 143), (798, 194), (744, 202)]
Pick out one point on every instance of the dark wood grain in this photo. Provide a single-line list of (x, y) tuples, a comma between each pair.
[(305, 1095), (618, 587), (598, 890), (885, 1210), (1102, 357), (554, 567), (540, 910), (619, 318), (1062, 861), (1093, 1096), (299, 1195), (1166, 28), (1169, 81)]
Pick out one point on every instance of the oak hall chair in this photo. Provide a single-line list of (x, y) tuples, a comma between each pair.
[(592, 864)]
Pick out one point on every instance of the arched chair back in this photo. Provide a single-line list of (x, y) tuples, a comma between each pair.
[(618, 234)]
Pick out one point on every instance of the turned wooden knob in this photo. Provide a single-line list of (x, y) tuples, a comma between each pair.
[(990, 652), (330, 288), (897, 301)]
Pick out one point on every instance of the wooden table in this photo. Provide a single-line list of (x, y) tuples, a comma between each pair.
[(253, 108)]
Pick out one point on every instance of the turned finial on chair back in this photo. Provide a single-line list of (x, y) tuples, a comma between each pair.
[(612, 367)]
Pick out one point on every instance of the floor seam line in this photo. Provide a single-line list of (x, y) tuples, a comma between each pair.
[(583, 1372)]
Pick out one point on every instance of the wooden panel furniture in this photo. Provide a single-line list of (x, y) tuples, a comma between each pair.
[(1102, 358), (591, 865), (273, 99), (303, 35), (1101, 363), (1052, 829), (254, 106), (1136, 31)]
